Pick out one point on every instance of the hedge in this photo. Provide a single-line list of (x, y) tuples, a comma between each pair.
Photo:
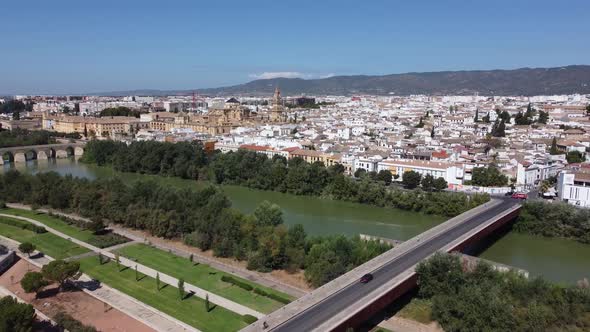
[(238, 283), (249, 319), (23, 225), (278, 298)]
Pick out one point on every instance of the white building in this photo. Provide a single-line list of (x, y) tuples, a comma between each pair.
[(452, 173), (574, 188)]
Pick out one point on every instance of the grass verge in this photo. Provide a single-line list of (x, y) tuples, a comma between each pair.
[(74, 231), (202, 276), (418, 310), (49, 244), (191, 310)]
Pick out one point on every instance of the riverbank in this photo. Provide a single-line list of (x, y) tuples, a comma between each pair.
[(557, 260)]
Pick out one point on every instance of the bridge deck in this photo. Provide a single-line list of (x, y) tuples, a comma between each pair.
[(332, 304)]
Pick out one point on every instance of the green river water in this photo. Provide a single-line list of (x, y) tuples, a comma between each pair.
[(558, 260)]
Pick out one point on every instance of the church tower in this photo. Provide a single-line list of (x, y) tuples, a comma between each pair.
[(277, 113)]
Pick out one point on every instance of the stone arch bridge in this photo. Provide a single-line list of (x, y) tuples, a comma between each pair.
[(21, 154)]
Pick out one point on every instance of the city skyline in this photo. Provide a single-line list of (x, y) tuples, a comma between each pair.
[(69, 48)]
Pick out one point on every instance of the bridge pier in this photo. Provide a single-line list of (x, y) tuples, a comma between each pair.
[(78, 151), (42, 155), (20, 157), (61, 154)]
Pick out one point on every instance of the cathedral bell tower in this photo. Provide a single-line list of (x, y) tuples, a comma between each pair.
[(277, 113)]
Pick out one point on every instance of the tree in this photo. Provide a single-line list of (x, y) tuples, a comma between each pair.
[(33, 282), (207, 304), (59, 271), (420, 124), (96, 226), (16, 116), (190, 258), (588, 110), (15, 316), (268, 214), (359, 172), (27, 248), (498, 130), (488, 177), (476, 118), (411, 179), (118, 261), (136, 273), (554, 150), (574, 157), (385, 176), (158, 281), (543, 117), (181, 288), (440, 184), (432, 132), (427, 182)]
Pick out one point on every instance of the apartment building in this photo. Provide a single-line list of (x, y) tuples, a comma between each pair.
[(574, 188)]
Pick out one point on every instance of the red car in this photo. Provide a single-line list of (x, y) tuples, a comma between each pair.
[(520, 196)]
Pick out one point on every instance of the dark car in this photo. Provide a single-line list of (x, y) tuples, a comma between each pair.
[(366, 278)]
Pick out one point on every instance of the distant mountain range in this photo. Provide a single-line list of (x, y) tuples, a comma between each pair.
[(523, 81)]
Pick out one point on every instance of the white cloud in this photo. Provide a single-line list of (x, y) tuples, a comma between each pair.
[(288, 74), (277, 74)]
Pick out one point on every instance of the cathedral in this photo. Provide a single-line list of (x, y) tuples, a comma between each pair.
[(277, 113)]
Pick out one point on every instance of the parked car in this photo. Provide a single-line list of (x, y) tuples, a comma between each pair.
[(366, 278), (520, 196)]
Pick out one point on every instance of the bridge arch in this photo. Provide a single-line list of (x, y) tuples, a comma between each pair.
[(7, 157), (78, 151), (31, 154)]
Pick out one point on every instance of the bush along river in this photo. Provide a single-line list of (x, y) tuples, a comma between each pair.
[(558, 260)]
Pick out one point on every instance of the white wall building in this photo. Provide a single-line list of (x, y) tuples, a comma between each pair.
[(574, 188)]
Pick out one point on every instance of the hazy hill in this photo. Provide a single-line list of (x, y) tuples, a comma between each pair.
[(523, 81)]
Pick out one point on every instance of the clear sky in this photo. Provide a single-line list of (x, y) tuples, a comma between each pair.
[(78, 46)]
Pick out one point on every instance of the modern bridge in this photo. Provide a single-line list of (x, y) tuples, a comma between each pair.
[(346, 303), (20, 154)]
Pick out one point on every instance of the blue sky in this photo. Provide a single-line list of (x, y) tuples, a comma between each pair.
[(91, 46)]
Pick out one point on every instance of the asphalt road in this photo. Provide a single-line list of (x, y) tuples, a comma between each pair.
[(315, 316)]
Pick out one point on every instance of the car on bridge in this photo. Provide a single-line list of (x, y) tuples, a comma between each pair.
[(520, 196), (366, 278)]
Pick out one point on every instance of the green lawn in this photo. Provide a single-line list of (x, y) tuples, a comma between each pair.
[(49, 244), (191, 311), (202, 276), (74, 231), (53, 222), (419, 310)]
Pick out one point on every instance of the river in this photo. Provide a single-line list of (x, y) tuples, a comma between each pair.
[(558, 260)]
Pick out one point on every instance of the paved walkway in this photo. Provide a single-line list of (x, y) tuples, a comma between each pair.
[(199, 292), (149, 316), (200, 258)]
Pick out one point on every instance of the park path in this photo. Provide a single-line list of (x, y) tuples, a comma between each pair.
[(253, 276), (199, 292), (151, 317)]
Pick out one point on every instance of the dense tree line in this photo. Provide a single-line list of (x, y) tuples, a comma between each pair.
[(483, 299), (295, 176), (23, 137), (554, 220), (119, 111), (488, 177), (15, 316), (201, 217)]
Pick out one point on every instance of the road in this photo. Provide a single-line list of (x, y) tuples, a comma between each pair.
[(318, 314)]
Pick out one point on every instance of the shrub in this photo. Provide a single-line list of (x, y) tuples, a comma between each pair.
[(260, 292), (71, 324), (107, 240), (249, 319), (236, 282), (2, 204), (278, 298)]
